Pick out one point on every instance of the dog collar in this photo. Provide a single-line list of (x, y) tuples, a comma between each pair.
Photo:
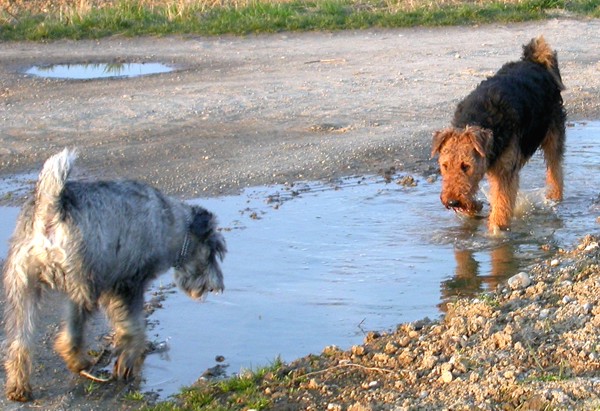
[(185, 247)]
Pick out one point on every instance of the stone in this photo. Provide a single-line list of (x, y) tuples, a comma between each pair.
[(519, 281)]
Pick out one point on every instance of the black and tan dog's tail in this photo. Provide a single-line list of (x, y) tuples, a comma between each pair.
[(538, 51), (50, 185)]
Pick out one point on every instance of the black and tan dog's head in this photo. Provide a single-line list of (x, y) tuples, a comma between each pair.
[(462, 159)]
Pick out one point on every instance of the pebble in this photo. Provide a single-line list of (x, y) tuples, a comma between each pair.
[(331, 349), (447, 376), (358, 350), (559, 396), (520, 280), (390, 348), (566, 299)]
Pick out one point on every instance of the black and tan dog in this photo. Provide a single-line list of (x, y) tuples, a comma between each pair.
[(497, 128)]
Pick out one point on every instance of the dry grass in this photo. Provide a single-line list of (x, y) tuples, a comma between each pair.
[(178, 7), (77, 19)]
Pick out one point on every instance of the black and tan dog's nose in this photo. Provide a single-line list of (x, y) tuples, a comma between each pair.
[(453, 203)]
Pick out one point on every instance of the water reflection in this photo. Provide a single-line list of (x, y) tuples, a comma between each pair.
[(88, 71), (471, 279)]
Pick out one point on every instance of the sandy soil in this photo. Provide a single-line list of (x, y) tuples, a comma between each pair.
[(247, 111), (260, 109)]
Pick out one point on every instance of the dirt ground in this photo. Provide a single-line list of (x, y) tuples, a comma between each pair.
[(238, 112)]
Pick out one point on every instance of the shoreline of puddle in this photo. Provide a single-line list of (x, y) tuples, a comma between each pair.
[(315, 264)]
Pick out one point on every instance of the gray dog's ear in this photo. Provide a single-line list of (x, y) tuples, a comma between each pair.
[(204, 227), (203, 223)]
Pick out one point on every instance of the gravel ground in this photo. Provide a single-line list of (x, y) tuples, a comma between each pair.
[(246, 111)]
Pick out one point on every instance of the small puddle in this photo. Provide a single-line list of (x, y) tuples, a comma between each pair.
[(320, 264), (90, 71)]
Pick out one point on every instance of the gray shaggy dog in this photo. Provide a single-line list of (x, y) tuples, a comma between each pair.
[(101, 243)]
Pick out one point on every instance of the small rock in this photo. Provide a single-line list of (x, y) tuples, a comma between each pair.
[(372, 336), (554, 262), (429, 361), (544, 313), (390, 348), (358, 350), (559, 396), (447, 367), (519, 281), (447, 376), (374, 384), (358, 407), (404, 341), (381, 357), (591, 246), (566, 299), (331, 349), (587, 308), (313, 384)]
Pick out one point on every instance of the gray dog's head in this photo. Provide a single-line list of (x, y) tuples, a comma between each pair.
[(199, 272)]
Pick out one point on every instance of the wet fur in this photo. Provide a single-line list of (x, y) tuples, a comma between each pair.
[(497, 128), (100, 243)]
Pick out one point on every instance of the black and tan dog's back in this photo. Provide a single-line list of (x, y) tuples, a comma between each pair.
[(497, 128)]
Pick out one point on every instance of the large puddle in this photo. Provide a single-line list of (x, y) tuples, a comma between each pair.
[(89, 71), (320, 264)]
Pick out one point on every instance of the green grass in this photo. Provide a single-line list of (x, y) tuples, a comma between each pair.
[(134, 396), (237, 393), (135, 17)]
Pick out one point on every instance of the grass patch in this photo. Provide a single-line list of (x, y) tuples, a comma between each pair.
[(79, 19), (237, 393)]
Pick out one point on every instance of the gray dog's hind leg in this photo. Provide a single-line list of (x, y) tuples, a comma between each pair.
[(127, 316), (69, 343)]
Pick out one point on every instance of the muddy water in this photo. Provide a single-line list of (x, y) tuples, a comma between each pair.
[(317, 264), (313, 265)]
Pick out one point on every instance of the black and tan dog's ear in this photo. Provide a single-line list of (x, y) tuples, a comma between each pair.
[(439, 138), (481, 138)]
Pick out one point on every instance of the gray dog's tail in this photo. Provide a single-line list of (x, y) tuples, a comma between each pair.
[(50, 185), (538, 51)]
